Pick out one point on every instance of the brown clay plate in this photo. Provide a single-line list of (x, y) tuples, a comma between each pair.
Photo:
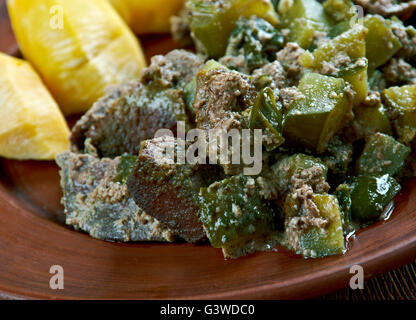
[(33, 238)]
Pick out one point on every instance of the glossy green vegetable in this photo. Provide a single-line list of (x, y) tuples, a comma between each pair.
[(313, 120), (267, 115), (381, 43), (304, 19), (256, 40), (402, 101), (233, 213), (338, 158), (212, 21), (316, 242), (343, 194), (370, 120), (289, 166), (382, 155), (370, 195)]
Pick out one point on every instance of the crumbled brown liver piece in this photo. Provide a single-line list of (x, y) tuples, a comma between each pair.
[(288, 58), (221, 96), (398, 72), (387, 8), (166, 190), (94, 203), (173, 70), (278, 75)]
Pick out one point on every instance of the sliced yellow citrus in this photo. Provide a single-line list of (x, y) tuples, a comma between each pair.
[(31, 124), (148, 16), (80, 47)]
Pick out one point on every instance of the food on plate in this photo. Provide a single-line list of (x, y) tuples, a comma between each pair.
[(31, 124), (329, 104), (148, 16), (80, 48)]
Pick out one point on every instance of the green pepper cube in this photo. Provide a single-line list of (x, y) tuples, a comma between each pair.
[(321, 242), (339, 10), (356, 75), (350, 43), (126, 165), (370, 120), (402, 100), (266, 115), (313, 120), (285, 169), (370, 196), (234, 214), (304, 18), (382, 154), (212, 21), (381, 43)]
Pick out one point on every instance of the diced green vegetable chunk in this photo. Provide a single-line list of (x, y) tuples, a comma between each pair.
[(339, 10), (266, 115), (233, 212), (370, 196), (402, 100), (356, 75), (370, 120), (256, 40), (338, 158), (317, 242), (382, 155), (305, 18), (212, 21), (289, 166), (350, 43), (381, 43), (313, 120)]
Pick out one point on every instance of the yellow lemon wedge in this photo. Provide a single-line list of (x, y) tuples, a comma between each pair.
[(79, 47), (148, 16), (31, 124)]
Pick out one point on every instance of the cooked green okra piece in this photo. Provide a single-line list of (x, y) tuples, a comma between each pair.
[(267, 115), (305, 19), (254, 40), (339, 10), (235, 217), (212, 21), (370, 195), (299, 166), (381, 43), (370, 120), (382, 154), (321, 242), (402, 102), (313, 120)]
